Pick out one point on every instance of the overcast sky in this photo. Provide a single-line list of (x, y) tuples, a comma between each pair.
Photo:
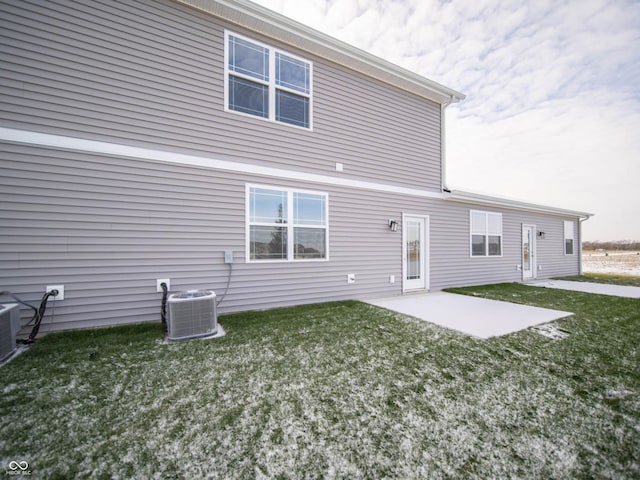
[(552, 113)]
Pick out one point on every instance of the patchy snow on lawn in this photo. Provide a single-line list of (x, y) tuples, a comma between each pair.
[(617, 393), (621, 263), (551, 331), (361, 395)]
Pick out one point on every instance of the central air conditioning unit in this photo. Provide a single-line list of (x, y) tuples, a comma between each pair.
[(192, 314), (9, 328)]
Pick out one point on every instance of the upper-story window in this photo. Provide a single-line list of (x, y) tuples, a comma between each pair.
[(266, 82), (486, 234), (568, 238)]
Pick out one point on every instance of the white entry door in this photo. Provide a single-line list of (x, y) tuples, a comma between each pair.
[(528, 252), (415, 261)]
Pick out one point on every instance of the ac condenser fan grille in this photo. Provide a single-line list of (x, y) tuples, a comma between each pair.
[(192, 314)]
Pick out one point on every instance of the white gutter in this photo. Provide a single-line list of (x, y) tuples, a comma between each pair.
[(477, 198)]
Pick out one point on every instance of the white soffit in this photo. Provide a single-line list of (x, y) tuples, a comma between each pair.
[(269, 23), (477, 198)]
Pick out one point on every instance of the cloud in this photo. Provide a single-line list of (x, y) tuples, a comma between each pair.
[(552, 113), (578, 153)]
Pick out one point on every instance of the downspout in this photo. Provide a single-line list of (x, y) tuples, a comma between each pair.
[(443, 145), (580, 220)]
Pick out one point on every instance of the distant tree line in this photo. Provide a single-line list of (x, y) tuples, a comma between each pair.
[(615, 245)]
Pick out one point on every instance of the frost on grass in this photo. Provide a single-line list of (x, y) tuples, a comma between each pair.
[(617, 393), (551, 331), (627, 263), (347, 392)]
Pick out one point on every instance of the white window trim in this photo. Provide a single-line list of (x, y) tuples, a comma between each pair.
[(271, 83), (290, 225), (486, 251), (566, 224)]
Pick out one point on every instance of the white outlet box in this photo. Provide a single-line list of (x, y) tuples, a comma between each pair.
[(159, 281), (392, 279), (59, 288), (351, 278)]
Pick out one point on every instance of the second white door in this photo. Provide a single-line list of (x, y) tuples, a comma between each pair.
[(415, 262), (528, 252)]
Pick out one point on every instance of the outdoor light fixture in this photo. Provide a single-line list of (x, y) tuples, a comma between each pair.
[(393, 225), (541, 235)]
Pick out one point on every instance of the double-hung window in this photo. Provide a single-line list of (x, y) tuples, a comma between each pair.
[(486, 234), (266, 82), (568, 238), (286, 224)]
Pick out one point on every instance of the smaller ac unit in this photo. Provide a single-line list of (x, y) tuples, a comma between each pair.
[(9, 328), (191, 314)]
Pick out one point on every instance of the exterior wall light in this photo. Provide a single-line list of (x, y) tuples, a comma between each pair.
[(541, 235), (393, 225)]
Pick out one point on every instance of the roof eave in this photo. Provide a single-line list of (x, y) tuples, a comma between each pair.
[(267, 22), (471, 197)]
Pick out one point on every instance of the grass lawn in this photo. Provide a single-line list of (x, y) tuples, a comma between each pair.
[(340, 390), (610, 278)]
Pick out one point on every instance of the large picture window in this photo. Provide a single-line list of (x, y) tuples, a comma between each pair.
[(486, 234), (286, 224), (265, 82), (568, 238)]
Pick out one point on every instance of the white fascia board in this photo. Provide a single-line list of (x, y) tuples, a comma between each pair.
[(267, 22), (61, 142), (482, 199)]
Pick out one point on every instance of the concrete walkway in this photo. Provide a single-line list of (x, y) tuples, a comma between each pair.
[(588, 287), (479, 317)]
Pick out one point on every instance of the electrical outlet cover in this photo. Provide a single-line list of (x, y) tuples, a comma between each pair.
[(59, 288), (160, 281)]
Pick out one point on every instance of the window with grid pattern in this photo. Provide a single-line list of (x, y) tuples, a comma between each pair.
[(486, 234), (265, 82), (286, 224), (568, 237)]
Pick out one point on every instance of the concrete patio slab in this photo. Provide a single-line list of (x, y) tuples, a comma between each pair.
[(479, 317), (589, 287)]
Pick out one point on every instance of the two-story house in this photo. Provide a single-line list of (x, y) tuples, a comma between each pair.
[(217, 144)]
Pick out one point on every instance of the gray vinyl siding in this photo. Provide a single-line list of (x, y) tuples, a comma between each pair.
[(452, 264), (108, 227), (151, 74)]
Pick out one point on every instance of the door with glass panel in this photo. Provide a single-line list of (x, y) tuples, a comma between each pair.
[(528, 252), (415, 262)]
